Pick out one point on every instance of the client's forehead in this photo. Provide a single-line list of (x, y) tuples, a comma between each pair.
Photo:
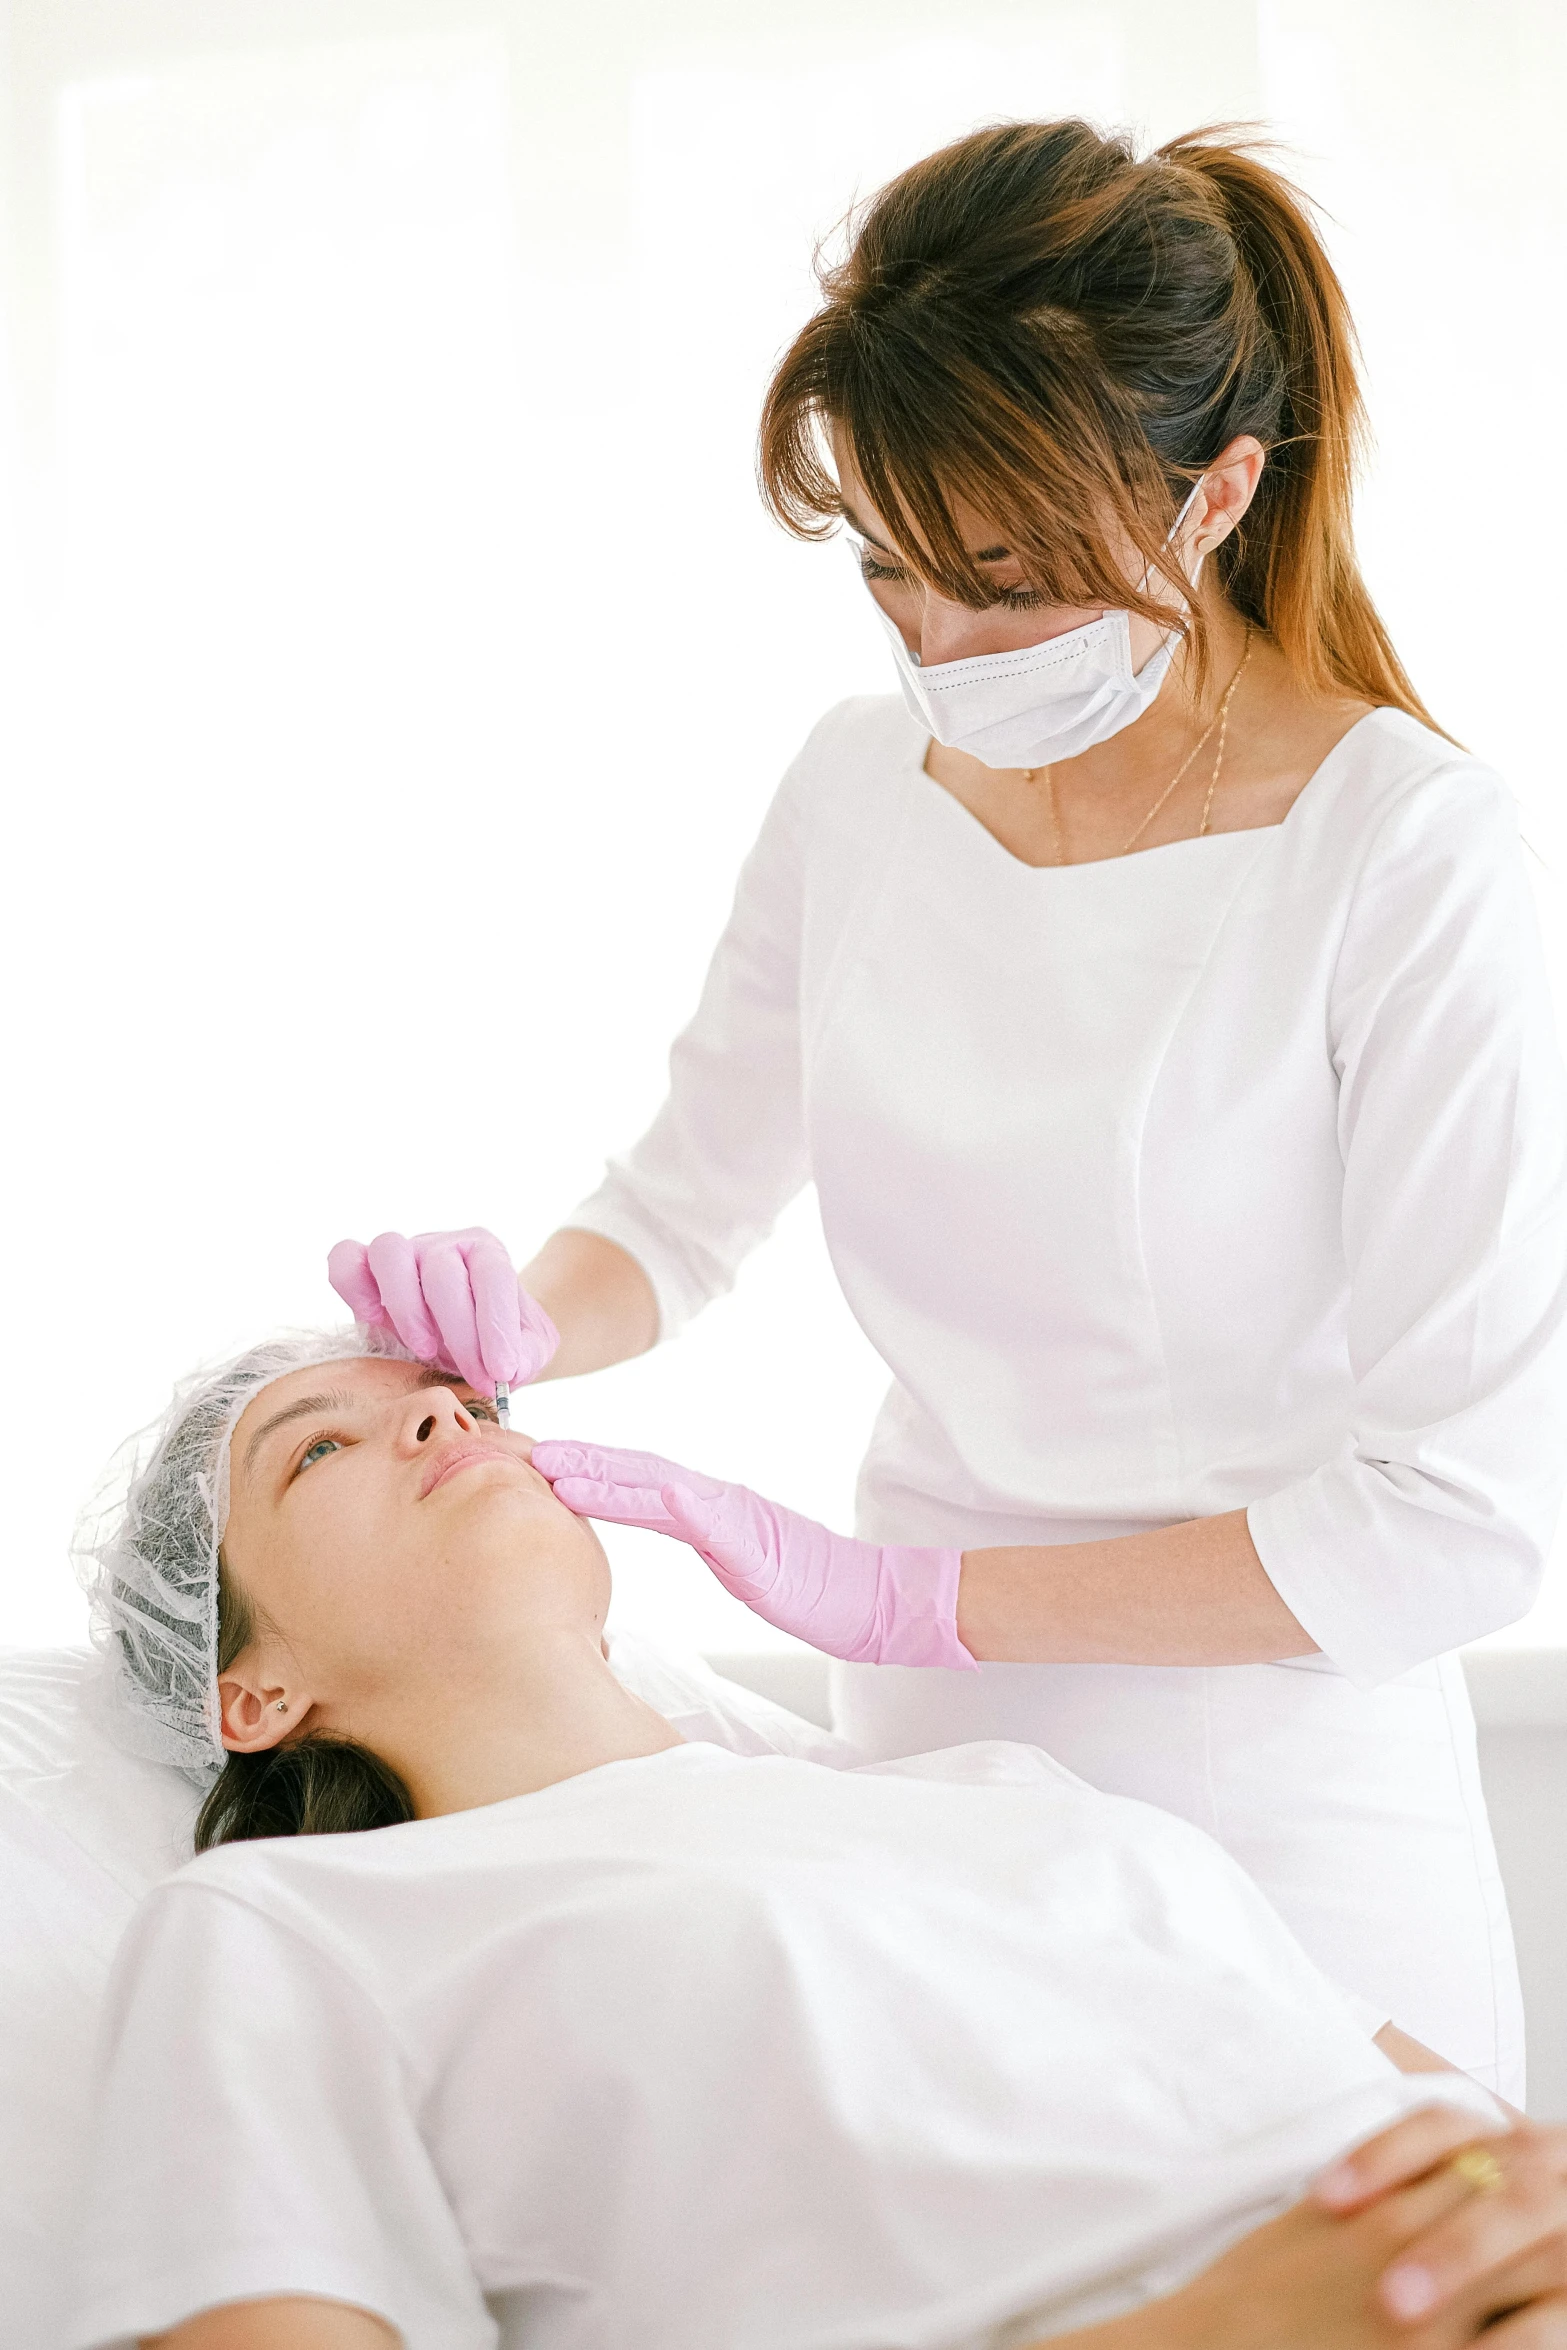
[(353, 1375)]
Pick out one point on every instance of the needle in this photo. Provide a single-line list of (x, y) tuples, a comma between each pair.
[(503, 1403)]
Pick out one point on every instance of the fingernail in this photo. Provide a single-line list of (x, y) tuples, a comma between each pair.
[(1339, 2184), (1409, 2292)]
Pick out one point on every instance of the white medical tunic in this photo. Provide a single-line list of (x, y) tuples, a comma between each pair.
[(704, 2052), (1226, 1174)]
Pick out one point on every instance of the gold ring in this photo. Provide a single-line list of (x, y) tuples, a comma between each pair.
[(1480, 2167)]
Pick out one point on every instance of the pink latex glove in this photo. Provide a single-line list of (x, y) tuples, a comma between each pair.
[(453, 1297), (868, 1602)]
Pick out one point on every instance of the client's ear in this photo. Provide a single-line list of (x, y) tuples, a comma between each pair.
[(255, 1714)]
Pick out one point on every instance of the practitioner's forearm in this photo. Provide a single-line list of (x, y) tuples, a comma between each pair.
[(1193, 1594), (598, 1298)]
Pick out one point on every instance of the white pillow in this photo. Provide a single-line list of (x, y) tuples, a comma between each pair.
[(85, 1831)]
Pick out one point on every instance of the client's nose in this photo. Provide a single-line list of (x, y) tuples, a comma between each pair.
[(434, 1409)]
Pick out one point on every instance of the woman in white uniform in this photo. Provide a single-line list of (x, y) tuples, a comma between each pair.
[(1154, 997)]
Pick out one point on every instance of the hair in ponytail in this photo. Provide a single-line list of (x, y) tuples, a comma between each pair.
[(310, 1786), (1064, 335)]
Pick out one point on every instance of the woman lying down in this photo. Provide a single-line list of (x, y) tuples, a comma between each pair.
[(609, 2041)]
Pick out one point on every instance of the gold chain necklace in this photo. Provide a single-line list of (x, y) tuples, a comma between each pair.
[(1220, 719)]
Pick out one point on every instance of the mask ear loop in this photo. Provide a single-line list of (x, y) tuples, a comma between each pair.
[(1191, 577), (1173, 532)]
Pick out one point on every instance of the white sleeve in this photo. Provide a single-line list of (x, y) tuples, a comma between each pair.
[(1431, 1525), (727, 1152), (254, 2139)]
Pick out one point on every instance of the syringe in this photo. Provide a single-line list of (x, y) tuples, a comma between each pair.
[(503, 1403)]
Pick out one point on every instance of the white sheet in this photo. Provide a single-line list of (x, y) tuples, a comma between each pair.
[(714, 2053), (85, 1832)]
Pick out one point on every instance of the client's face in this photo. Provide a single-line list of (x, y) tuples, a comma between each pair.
[(390, 1537)]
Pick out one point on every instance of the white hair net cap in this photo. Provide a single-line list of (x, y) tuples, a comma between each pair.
[(146, 1552)]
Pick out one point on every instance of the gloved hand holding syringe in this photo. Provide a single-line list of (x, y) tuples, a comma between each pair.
[(454, 1299)]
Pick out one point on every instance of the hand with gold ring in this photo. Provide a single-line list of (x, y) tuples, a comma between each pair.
[(1499, 2242), (1478, 2167)]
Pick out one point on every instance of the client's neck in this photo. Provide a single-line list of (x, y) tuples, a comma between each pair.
[(551, 1715)]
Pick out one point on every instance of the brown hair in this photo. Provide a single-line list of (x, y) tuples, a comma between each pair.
[(309, 1786), (1063, 335)]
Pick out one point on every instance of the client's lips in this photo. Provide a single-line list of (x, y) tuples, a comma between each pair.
[(459, 1456)]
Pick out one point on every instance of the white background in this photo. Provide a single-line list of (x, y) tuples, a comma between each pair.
[(395, 662)]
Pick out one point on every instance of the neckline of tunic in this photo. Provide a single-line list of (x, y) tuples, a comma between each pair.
[(1135, 857)]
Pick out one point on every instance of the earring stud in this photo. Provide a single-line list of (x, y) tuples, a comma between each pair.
[(282, 1708)]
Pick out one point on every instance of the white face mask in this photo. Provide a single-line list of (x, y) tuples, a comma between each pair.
[(1036, 704)]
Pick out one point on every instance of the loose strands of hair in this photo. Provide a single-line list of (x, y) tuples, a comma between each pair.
[(310, 1786), (1064, 335)]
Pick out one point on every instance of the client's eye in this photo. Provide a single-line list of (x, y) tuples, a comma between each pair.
[(316, 1452), (482, 1410)]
